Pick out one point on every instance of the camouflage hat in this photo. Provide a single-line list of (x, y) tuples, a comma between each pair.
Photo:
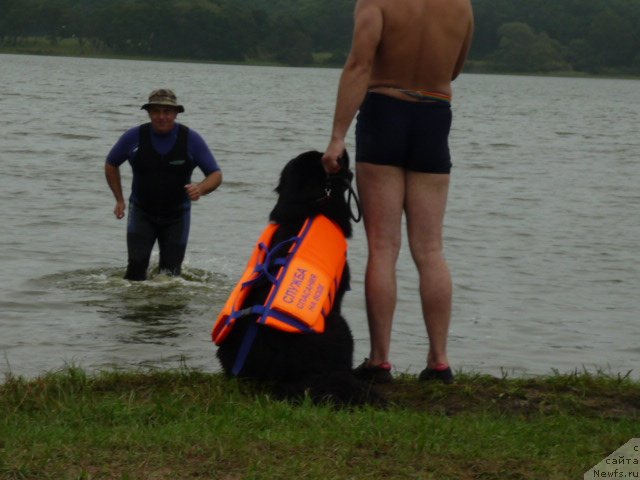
[(163, 97)]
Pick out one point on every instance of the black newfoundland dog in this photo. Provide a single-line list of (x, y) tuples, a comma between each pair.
[(297, 364)]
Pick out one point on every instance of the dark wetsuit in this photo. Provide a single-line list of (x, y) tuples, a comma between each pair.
[(406, 134), (159, 208)]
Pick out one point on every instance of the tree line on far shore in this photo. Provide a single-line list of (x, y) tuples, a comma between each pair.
[(527, 36)]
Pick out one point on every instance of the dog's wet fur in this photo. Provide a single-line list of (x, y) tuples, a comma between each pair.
[(295, 365)]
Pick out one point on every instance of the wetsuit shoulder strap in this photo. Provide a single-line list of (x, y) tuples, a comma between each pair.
[(145, 135)]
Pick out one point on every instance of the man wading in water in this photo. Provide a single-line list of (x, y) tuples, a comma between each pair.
[(162, 154)]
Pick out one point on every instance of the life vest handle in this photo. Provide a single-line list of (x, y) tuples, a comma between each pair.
[(262, 268), (256, 309), (273, 250)]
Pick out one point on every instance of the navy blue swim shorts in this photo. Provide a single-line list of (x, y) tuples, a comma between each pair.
[(410, 135)]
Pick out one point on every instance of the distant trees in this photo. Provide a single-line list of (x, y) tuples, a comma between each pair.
[(522, 50), (612, 40), (596, 36)]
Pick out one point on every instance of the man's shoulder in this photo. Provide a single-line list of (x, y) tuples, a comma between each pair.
[(127, 142), (131, 135), (191, 133)]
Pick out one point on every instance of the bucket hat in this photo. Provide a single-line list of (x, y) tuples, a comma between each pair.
[(163, 97)]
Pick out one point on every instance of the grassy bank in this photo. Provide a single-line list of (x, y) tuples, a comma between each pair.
[(188, 424)]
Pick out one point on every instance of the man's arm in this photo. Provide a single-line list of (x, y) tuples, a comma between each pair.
[(206, 162), (112, 174), (206, 186), (464, 51), (367, 32)]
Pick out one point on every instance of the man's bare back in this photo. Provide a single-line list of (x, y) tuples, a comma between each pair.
[(418, 45), (423, 43)]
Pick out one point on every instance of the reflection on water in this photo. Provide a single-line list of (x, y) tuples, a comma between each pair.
[(156, 311), (157, 315)]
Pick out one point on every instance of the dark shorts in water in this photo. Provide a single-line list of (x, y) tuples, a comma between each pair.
[(410, 135), (171, 231)]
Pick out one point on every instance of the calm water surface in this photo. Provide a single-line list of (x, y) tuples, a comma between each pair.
[(541, 232)]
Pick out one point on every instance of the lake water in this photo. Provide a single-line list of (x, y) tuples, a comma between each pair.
[(542, 227)]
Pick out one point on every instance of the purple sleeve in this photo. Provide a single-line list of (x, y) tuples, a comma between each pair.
[(124, 147), (201, 155)]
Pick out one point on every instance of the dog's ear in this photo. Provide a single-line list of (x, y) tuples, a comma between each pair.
[(302, 177), (301, 185)]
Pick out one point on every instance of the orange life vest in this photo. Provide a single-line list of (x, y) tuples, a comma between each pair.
[(304, 288)]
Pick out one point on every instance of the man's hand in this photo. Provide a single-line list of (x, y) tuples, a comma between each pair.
[(119, 210), (332, 155), (193, 190)]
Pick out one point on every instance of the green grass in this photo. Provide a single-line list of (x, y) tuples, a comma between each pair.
[(188, 424)]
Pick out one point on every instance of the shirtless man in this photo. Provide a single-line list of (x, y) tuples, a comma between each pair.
[(404, 56)]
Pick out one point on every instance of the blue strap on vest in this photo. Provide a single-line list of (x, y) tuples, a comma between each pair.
[(245, 347), (262, 269), (252, 330)]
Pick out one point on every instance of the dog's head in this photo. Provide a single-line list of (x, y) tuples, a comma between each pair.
[(306, 190)]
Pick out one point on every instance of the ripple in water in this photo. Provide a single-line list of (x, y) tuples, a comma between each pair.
[(159, 307)]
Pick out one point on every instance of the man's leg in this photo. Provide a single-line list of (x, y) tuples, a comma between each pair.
[(141, 235), (172, 240), (425, 202), (381, 190)]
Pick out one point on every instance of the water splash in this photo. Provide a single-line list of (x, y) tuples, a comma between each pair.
[(159, 307)]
